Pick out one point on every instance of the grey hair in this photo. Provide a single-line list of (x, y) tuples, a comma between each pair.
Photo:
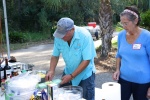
[(132, 13), (129, 15)]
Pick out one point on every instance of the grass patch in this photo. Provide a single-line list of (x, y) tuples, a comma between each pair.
[(118, 27), (32, 39), (114, 42), (114, 45), (35, 37)]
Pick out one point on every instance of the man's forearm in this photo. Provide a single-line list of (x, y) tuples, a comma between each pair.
[(53, 63), (80, 68)]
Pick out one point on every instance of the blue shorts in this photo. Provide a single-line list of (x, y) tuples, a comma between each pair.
[(88, 86)]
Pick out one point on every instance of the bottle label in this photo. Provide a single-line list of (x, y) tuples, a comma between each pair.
[(3, 85)]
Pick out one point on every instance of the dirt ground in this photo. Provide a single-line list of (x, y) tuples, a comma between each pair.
[(108, 64)]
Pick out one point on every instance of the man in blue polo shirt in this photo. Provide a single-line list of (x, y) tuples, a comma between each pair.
[(77, 48)]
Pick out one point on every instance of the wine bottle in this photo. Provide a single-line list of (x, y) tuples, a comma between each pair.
[(1, 69), (6, 67)]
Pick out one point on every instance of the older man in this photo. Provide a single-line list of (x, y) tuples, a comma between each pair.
[(78, 51)]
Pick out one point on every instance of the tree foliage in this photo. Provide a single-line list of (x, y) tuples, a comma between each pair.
[(25, 15), (145, 22), (119, 5), (42, 15), (36, 15)]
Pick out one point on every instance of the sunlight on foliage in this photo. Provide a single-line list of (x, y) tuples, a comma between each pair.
[(114, 42)]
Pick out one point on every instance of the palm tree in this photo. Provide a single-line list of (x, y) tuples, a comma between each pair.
[(106, 26)]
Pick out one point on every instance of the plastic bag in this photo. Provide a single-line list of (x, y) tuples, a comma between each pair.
[(22, 84)]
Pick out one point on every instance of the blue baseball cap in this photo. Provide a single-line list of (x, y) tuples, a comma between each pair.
[(63, 26)]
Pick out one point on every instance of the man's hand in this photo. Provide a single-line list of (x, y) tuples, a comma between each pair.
[(49, 76), (66, 79)]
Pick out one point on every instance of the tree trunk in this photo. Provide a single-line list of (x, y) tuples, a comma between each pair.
[(106, 26)]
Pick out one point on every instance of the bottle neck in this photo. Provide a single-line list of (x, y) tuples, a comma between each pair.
[(0, 66), (6, 61), (7, 67)]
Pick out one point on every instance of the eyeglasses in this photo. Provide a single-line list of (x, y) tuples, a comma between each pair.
[(124, 24)]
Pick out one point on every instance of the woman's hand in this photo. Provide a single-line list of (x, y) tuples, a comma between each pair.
[(148, 93), (116, 75)]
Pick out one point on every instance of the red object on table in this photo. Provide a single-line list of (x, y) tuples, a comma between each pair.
[(92, 24)]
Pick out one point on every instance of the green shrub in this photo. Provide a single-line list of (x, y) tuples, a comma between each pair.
[(17, 37), (118, 27), (145, 22)]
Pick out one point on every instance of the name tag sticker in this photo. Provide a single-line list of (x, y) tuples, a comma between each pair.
[(136, 46)]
